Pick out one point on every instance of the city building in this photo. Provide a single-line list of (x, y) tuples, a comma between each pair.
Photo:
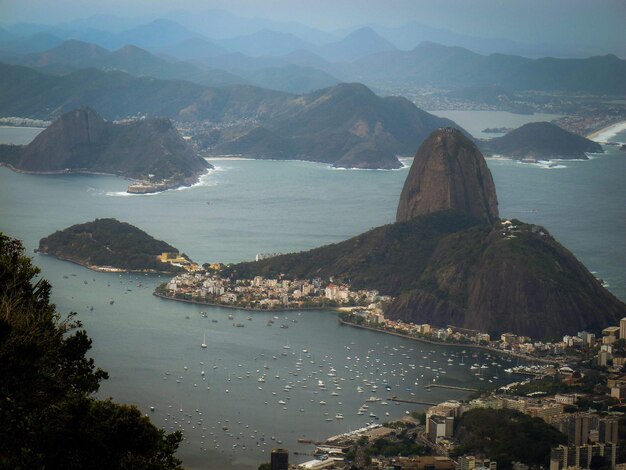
[(563, 457), (279, 459), (440, 426)]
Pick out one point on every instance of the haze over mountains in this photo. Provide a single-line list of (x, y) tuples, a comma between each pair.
[(296, 58)]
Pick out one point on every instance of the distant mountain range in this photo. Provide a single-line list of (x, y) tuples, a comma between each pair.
[(346, 125), (442, 66), (74, 55), (113, 32), (284, 62)]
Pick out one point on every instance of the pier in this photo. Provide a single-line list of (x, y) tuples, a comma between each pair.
[(413, 402), (451, 387)]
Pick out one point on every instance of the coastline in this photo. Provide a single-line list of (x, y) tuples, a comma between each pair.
[(106, 269), (457, 345), (186, 183), (21, 127), (243, 157), (247, 309), (602, 135), (377, 330)]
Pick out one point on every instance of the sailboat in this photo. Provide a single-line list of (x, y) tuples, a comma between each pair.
[(203, 345)]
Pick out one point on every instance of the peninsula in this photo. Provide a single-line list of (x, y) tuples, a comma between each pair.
[(113, 246), (450, 261), (80, 141)]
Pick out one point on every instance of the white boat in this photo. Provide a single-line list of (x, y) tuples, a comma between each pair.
[(203, 345), (338, 416)]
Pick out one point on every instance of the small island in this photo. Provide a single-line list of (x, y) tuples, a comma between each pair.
[(113, 246), (149, 151), (541, 141)]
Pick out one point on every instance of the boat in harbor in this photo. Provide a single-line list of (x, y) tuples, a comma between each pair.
[(203, 345)]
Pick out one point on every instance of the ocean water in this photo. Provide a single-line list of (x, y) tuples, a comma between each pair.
[(151, 347)]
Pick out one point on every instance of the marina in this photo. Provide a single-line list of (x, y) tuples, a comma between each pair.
[(153, 350)]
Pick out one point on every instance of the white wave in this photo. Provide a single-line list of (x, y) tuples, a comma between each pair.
[(228, 157), (543, 164), (604, 135), (204, 181)]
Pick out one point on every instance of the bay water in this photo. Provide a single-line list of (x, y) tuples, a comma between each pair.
[(151, 347)]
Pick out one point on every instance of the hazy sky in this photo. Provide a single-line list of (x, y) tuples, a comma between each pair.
[(533, 21)]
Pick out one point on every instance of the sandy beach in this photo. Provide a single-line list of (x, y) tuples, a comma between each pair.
[(605, 134)]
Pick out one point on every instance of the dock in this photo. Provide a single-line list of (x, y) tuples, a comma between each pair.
[(451, 387), (413, 402)]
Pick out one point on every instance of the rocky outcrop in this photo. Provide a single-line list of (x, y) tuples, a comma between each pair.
[(448, 172), (81, 141), (65, 142), (541, 141)]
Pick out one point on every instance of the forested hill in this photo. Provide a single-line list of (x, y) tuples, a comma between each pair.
[(108, 242)]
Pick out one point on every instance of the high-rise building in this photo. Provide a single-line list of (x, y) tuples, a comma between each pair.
[(622, 328), (607, 428), (577, 427), (279, 459), (580, 456)]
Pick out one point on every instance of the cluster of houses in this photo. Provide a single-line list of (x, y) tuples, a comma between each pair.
[(262, 293)]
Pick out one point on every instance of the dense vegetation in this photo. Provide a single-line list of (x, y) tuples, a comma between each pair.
[(390, 258), (506, 436), (49, 417), (108, 242), (447, 269), (404, 445)]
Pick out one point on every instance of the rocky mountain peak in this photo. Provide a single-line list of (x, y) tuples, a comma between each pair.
[(448, 172)]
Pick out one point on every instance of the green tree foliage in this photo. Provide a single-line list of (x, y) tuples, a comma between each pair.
[(49, 417), (108, 242), (404, 445), (506, 436)]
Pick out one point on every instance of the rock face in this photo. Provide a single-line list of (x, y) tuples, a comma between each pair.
[(81, 141), (541, 141), (448, 172), (65, 143)]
